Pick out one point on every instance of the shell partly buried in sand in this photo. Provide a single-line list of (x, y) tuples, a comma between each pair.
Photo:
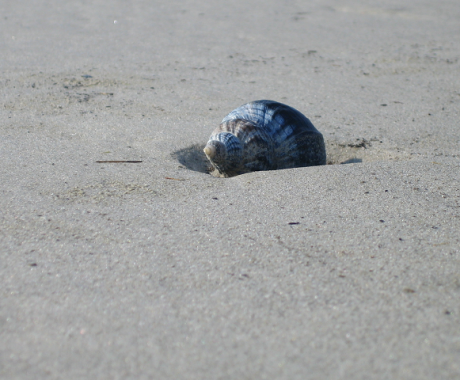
[(264, 135)]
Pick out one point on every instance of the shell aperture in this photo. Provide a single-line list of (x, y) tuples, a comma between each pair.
[(264, 135)]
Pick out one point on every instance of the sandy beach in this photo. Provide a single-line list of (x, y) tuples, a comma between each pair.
[(153, 268)]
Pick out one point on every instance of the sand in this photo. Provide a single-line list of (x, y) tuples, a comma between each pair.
[(156, 269)]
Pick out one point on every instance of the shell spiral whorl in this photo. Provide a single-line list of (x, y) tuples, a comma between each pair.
[(225, 151), (264, 135)]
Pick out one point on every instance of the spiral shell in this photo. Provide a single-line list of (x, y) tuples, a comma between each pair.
[(264, 135)]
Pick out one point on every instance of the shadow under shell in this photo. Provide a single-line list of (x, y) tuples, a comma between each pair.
[(193, 158)]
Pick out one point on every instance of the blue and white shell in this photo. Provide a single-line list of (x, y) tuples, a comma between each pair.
[(264, 135)]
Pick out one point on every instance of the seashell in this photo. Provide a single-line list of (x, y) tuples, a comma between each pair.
[(264, 135)]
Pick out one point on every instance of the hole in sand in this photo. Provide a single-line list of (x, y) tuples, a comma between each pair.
[(357, 151), (193, 158)]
